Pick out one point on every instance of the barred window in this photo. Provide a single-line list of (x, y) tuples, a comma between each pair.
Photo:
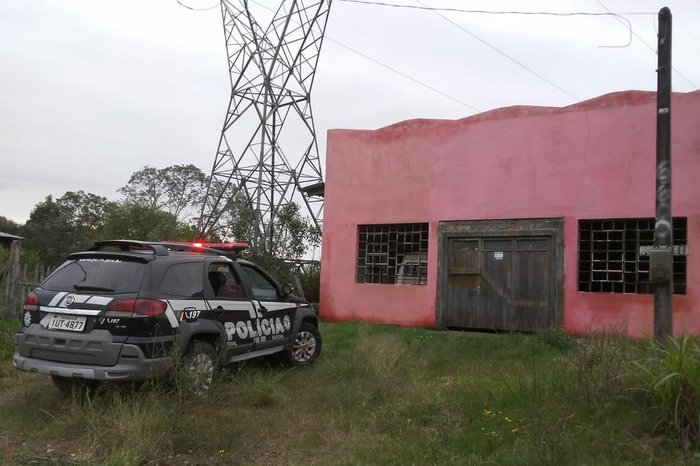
[(393, 254), (609, 259)]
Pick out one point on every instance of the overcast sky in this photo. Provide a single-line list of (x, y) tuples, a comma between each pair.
[(93, 90)]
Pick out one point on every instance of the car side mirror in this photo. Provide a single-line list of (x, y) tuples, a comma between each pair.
[(287, 289)]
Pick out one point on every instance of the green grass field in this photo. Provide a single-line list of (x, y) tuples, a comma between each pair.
[(377, 395)]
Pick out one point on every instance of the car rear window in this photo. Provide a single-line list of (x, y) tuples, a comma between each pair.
[(97, 275)]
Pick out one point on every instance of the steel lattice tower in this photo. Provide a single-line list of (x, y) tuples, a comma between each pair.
[(267, 150)]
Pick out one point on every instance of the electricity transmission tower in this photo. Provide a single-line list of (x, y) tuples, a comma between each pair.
[(267, 153)]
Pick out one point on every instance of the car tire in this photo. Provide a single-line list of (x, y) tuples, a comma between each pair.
[(305, 346), (69, 385), (200, 367)]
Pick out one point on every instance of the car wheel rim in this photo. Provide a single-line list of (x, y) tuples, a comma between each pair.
[(202, 373), (304, 346)]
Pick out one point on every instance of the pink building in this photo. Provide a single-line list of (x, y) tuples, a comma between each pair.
[(519, 218)]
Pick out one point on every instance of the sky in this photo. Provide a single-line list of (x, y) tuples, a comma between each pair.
[(94, 90)]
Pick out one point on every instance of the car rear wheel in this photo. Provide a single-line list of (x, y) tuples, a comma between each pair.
[(306, 346), (200, 367)]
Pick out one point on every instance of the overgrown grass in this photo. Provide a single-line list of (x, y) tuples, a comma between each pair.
[(378, 395)]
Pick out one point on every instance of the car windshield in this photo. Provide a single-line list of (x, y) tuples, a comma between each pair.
[(97, 275)]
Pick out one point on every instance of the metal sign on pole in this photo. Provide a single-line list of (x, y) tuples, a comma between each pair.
[(661, 255)]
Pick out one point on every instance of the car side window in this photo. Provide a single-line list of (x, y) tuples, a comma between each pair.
[(262, 288), (225, 283), (183, 280)]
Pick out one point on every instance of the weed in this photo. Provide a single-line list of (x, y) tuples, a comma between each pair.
[(557, 338), (379, 395), (382, 358), (554, 441), (498, 424), (599, 365), (189, 381), (379, 362), (261, 388), (670, 378), (123, 426), (8, 328)]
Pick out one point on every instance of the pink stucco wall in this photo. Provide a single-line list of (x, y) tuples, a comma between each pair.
[(595, 159)]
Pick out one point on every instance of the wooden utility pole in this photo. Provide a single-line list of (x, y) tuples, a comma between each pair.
[(661, 257)]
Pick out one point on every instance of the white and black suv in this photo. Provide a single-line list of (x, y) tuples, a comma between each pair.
[(120, 311)]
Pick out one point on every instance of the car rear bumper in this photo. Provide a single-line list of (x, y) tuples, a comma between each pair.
[(131, 366)]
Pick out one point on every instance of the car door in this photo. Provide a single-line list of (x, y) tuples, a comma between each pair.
[(229, 304), (274, 316), (182, 288)]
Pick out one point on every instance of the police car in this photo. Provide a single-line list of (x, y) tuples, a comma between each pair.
[(120, 310)]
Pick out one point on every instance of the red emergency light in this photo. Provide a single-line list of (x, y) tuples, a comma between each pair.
[(235, 247)]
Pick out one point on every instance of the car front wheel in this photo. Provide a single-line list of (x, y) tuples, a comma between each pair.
[(305, 347)]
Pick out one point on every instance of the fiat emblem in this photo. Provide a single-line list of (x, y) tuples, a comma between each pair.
[(70, 299)]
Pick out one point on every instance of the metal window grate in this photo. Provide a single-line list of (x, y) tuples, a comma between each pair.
[(609, 260), (393, 254)]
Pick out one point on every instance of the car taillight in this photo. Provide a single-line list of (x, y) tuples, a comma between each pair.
[(32, 302), (136, 307), (149, 307)]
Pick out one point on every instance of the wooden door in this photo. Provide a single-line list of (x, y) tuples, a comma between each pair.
[(500, 283)]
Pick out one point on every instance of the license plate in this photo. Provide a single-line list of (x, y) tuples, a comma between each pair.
[(65, 322)]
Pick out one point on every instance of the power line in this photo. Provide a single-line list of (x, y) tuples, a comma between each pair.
[(197, 9), (687, 29), (496, 49), (497, 12), (394, 70), (366, 57), (427, 86), (618, 16), (651, 48), (627, 22)]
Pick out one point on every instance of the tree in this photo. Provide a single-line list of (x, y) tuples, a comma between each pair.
[(85, 211), (145, 223), (177, 189), (240, 222), (70, 223), (10, 227), (77, 219), (45, 220), (293, 233)]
